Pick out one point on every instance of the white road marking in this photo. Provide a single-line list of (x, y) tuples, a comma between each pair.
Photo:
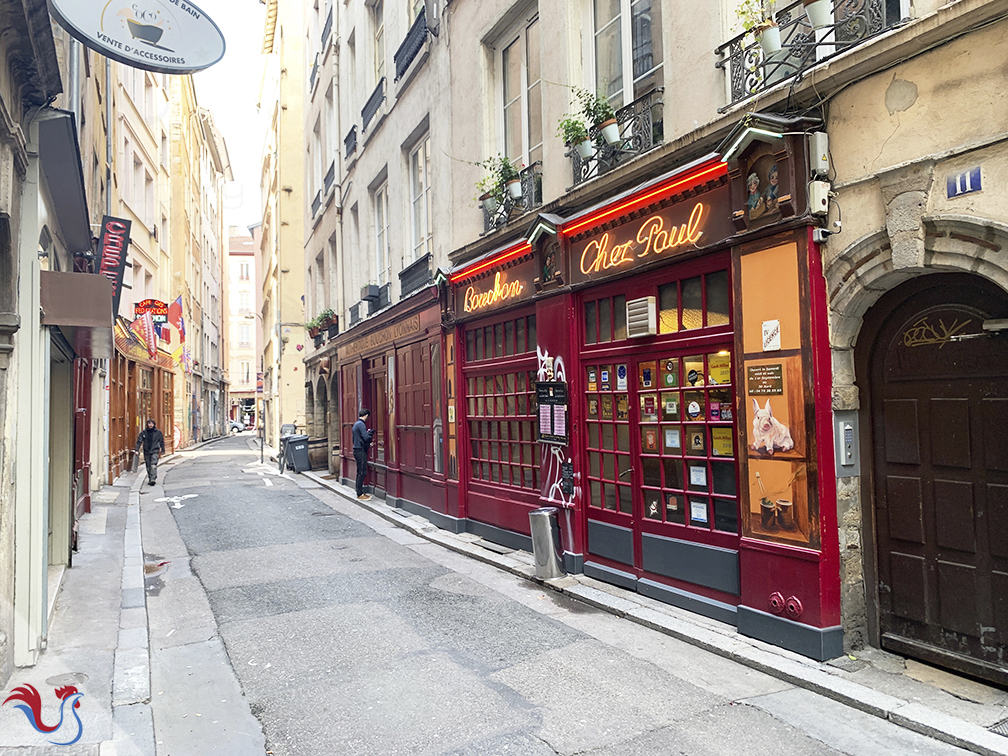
[(267, 481)]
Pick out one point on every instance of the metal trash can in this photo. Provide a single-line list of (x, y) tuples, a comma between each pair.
[(546, 546), (297, 453), (286, 431)]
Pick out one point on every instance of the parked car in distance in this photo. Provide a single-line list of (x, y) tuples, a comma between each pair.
[(237, 426)]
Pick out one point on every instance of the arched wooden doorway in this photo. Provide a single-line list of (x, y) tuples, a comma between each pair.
[(933, 369)]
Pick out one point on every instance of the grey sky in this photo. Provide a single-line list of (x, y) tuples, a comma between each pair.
[(230, 90)]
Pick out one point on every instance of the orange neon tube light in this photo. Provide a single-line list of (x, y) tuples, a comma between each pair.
[(708, 173), (503, 257)]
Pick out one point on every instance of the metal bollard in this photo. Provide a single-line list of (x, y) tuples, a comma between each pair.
[(546, 546)]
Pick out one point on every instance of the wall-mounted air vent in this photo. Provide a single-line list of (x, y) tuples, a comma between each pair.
[(642, 317)]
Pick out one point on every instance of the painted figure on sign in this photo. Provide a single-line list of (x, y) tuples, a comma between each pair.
[(770, 195), (769, 433), (755, 202)]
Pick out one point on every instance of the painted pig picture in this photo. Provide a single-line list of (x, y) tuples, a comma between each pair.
[(769, 433)]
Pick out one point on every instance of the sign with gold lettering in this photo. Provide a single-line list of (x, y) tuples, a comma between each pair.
[(497, 290), (692, 223), (386, 335)]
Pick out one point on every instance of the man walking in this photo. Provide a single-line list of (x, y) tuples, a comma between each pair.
[(152, 441), (361, 443)]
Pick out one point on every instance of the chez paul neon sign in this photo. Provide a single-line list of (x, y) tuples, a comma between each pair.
[(652, 238)]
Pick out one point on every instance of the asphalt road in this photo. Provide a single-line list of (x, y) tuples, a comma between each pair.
[(348, 635)]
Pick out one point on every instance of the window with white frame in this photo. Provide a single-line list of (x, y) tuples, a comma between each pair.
[(245, 376), (415, 6), (520, 88), (244, 335), (627, 48), (379, 40), (382, 255), (244, 301), (244, 270), (420, 198)]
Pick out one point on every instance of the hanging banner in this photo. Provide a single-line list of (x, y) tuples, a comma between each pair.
[(163, 36), (112, 246)]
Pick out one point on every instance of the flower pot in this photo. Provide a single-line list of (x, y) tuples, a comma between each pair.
[(769, 39), (490, 203), (818, 12), (313, 332), (610, 131), (585, 149), (514, 187)]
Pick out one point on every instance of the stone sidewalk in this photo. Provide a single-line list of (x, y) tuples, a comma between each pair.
[(927, 700)]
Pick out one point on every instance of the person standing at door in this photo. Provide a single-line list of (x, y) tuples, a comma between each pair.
[(152, 441), (361, 443)]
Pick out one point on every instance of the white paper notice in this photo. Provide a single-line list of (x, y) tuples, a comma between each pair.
[(559, 420), (771, 335), (545, 420), (697, 476), (698, 510)]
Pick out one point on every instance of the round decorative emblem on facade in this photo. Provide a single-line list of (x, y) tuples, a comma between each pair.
[(164, 36)]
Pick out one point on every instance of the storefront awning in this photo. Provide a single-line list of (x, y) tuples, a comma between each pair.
[(80, 304), (59, 155)]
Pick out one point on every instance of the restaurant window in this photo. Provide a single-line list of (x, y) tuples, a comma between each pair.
[(512, 337), (502, 432), (627, 48)]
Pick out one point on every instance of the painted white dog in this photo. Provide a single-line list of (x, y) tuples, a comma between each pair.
[(768, 431)]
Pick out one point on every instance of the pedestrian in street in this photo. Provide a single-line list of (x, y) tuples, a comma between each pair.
[(361, 443), (152, 441)]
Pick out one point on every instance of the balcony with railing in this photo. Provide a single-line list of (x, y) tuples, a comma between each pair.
[(374, 102), (510, 208), (641, 128), (751, 70), (411, 45), (327, 29), (415, 276), (350, 142), (330, 177)]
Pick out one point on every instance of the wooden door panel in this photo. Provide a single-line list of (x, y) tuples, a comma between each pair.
[(997, 519), (954, 518), (957, 591), (999, 590), (904, 506), (995, 440), (950, 433), (908, 586), (902, 437)]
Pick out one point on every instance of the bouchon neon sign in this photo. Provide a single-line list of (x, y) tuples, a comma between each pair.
[(501, 290), (652, 238)]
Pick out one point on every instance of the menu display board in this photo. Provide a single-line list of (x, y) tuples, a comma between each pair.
[(552, 398)]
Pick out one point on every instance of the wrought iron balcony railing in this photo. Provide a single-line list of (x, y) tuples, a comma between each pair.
[(531, 198), (641, 128), (327, 29), (374, 102), (330, 176), (355, 315), (750, 70), (415, 276), (350, 141), (411, 45)]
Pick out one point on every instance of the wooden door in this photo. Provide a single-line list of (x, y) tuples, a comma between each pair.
[(939, 404), (377, 396)]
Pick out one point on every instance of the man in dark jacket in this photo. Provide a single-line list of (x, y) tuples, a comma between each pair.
[(361, 443), (152, 441)]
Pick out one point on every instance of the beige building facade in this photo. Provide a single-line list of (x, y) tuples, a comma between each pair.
[(243, 332), (282, 232)]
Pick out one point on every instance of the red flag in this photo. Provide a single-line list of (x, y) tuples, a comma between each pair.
[(175, 318)]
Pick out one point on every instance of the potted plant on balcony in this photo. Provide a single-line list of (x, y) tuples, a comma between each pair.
[(326, 318), (500, 175), (818, 12), (757, 16), (574, 133), (314, 327), (598, 111)]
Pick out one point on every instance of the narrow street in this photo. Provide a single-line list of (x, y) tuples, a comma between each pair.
[(350, 635)]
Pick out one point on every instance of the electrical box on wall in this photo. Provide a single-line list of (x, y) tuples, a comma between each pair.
[(818, 198), (846, 443), (819, 154)]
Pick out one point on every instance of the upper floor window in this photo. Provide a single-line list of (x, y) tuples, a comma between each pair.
[(521, 93), (244, 270), (627, 48), (420, 198), (415, 6), (382, 256), (379, 40), (244, 301)]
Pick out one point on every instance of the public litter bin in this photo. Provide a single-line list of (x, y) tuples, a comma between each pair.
[(297, 453), (286, 431), (546, 546)]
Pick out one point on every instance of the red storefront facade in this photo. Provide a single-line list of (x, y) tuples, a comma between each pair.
[(692, 460)]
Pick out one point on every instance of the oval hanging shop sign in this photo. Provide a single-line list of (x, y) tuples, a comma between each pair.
[(164, 36)]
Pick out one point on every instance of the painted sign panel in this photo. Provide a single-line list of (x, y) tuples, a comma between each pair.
[(496, 291), (112, 246), (693, 223), (164, 36)]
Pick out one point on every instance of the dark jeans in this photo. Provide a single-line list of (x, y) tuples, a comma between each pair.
[(360, 456), (151, 460)]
